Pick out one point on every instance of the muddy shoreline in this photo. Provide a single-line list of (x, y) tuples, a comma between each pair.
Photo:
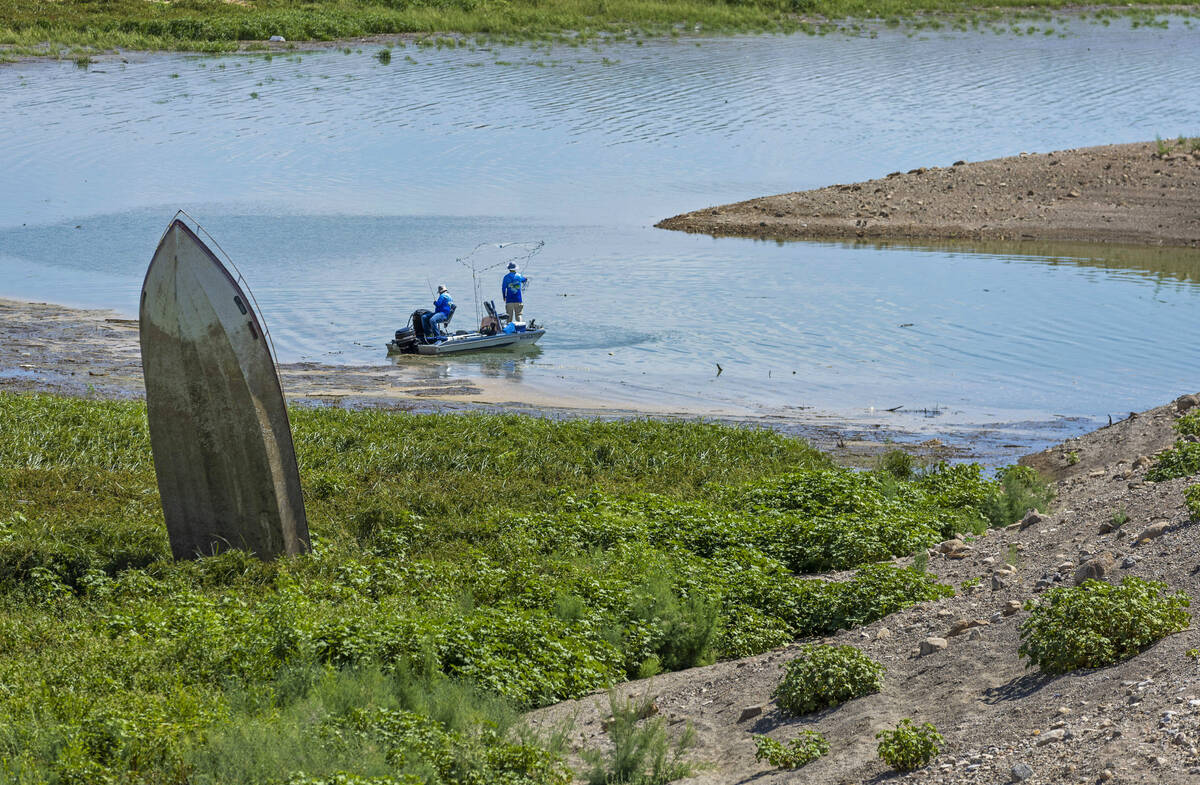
[(1127, 193), (49, 348)]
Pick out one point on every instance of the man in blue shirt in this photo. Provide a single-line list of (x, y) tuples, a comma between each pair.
[(443, 306), (511, 287)]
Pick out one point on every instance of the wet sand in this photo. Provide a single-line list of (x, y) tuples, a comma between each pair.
[(94, 353), (1128, 193)]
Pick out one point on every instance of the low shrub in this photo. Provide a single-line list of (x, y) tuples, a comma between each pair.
[(1097, 624), (826, 676), (803, 749), (909, 746), (1182, 460)]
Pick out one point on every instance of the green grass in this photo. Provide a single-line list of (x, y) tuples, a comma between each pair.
[(465, 568), (38, 27)]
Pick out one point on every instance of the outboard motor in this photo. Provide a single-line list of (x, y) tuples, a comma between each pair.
[(420, 323)]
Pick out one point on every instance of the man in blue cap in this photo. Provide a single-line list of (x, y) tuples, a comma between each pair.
[(443, 306), (511, 287)]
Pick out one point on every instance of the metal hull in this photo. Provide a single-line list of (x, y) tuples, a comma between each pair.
[(474, 342), (219, 429)]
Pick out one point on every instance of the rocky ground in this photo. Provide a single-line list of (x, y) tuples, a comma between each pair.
[(1126, 193), (1135, 722)]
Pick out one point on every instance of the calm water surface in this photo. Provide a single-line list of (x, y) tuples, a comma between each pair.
[(345, 188)]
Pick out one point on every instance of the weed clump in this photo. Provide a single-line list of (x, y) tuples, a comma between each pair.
[(909, 746), (1097, 623), (825, 676), (1182, 460), (802, 750), (642, 752), (1191, 499), (1020, 490)]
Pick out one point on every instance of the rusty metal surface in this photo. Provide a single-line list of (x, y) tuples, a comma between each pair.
[(219, 428)]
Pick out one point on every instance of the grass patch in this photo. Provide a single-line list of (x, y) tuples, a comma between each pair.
[(33, 27)]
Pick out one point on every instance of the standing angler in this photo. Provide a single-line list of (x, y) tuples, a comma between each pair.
[(511, 286)]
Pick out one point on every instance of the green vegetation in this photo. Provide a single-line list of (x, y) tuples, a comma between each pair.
[(1182, 460), (1191, 499), (1188, 424), (1119, 518), (34, 27), (1021, 489), (909, 747), (1097, 624), (825, 676), (642, 752), (803, 749), (466, 567)]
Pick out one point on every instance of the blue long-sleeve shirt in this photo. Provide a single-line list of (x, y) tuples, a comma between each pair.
[(511, 287), (443, 303)]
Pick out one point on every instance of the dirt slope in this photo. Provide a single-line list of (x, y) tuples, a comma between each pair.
[(1136, 722), (1118, 194)]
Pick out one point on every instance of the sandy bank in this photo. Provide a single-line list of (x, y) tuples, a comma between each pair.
[(1114, 194)]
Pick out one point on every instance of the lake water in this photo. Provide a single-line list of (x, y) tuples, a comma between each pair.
[(344, 188)]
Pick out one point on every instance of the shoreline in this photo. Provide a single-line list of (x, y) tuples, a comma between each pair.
[(1145, 193), (57, 349)]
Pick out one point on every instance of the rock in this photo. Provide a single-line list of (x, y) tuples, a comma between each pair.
[(1006, 569), (1021, 772), (999, 581), (975, 634), (954, 549), (1141, 462), (1011, 607), (1073, 193), (1153, 531), (749, 713), (1097, 567), (1066, 566), (931, 645), (1185, 402), (1051, 737), (1128, 562), (1032, 518), (962, 625), (277, 39), (883, 634)]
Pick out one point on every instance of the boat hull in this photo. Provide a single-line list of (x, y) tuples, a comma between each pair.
[(471, 342), (219, 429)]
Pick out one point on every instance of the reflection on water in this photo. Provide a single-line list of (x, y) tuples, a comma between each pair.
[(509, 363), (346, 189)]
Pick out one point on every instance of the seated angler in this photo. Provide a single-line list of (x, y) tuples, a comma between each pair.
[(443, 307)]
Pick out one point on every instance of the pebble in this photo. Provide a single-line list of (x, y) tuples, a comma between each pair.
[(1052, 736)]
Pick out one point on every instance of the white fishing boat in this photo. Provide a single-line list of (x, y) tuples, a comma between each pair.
[(419, 337)]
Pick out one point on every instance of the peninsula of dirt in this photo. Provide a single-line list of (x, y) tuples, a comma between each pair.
[(1144, 193)]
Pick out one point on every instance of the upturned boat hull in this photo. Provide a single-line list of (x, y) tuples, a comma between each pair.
[(219, 429)]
